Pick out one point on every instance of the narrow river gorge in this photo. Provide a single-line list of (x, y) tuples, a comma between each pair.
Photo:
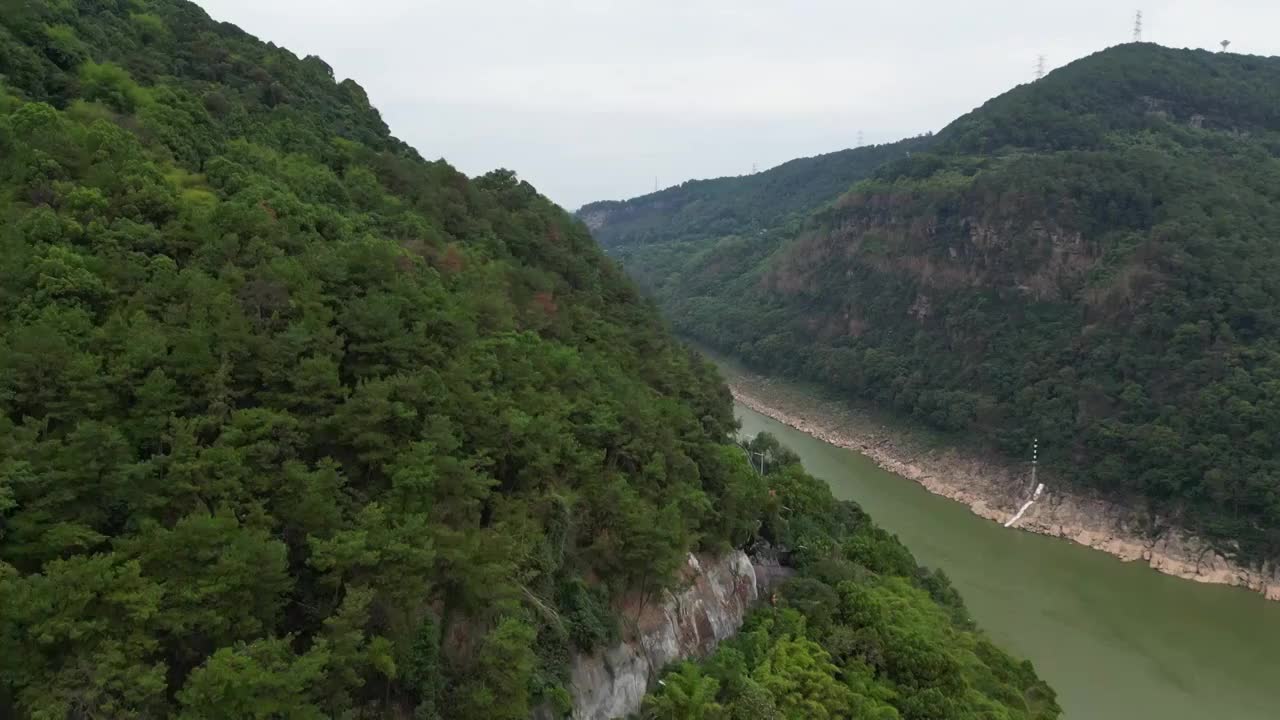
[(1117, 640)]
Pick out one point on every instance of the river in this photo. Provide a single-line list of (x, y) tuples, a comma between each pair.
[(1118, 641)]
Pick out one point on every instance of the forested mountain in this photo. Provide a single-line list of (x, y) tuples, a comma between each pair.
[(703, 209), (756, 210), (286, 412), (1091, 259), (294, 423)]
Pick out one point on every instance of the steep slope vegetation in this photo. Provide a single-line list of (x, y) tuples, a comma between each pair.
[(1090, 259), (702, 209), (295, 424), (861, 632), (747, 215), (288, 415)]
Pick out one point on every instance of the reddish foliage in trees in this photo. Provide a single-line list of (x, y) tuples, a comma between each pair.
[(545, 302), (453, 260)]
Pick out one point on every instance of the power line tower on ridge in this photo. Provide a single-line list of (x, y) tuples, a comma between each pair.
[(1039, 66), (1137, 27)]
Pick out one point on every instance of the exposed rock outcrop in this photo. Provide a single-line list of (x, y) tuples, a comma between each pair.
[(689, 622), (594, 219)]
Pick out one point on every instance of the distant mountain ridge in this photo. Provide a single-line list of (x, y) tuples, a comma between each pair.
[(1090, 259), (701, 209)]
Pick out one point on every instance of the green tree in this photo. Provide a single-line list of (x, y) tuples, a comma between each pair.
[(686, 694), (262, 679), (497, 685)]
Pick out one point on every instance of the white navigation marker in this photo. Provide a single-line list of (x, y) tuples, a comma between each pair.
[(1035, 458), (1035, 496)]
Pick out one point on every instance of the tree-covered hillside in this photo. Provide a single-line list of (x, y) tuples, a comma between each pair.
[(756, 211), (702, 209), (296, 424), (862, 631), (293, 423), (754, 208), (1091, 259)]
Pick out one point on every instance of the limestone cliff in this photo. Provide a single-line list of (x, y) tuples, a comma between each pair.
[(690, 621)]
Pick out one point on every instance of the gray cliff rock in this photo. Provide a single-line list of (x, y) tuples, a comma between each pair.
[(689, 622)]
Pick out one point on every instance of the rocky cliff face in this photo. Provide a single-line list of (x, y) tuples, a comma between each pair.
[(595, 218), (717, 593)]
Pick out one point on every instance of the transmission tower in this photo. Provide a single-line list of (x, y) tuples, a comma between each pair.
[(1039, 66), (1137, 27), (859, 139)]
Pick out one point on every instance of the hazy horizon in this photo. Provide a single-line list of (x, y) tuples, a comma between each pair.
[(597, 100)]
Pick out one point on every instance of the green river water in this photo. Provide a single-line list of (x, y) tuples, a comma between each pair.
[(1116, 640)]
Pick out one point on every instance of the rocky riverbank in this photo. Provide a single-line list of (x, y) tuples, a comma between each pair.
[(996, 490)]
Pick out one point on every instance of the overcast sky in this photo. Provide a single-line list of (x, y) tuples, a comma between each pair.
[(594, 99)]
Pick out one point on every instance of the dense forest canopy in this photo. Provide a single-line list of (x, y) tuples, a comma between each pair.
[(294, 423), (287, 414), (743, 217), (1091, 259)]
